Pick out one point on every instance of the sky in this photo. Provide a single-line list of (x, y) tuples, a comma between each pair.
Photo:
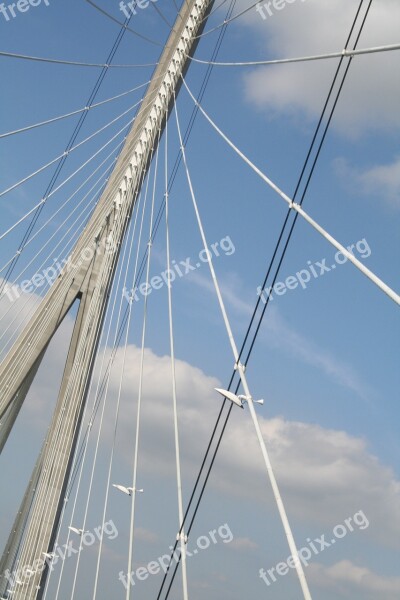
[(326, 357)]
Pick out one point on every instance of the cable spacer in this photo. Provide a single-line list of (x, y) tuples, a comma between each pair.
[(241, 365)]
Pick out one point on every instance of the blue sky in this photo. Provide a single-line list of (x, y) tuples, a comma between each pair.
[(326, 359)]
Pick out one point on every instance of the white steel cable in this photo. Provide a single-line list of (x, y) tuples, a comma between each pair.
[(312, 57), (73, 174), (107, 337), (64, 182), (70, 243), (162, 16), (73, 62), (117, 408), (22, 248), (49, 497), (226, 21), (296, 207), (181, 530), (94, 463), (91, 333), (139, 402), (105, 13), (63, 205), (95, 460), (68, 277), (240, 368), (67, 152), (70, 114), (89, 428), (217, 7), (42, 488), (81, 214)]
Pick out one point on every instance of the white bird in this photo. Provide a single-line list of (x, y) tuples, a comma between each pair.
[(126, 490), (49, 554), (75, 530)]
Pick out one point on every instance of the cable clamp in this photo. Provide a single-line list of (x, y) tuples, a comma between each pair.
[(241, 365)]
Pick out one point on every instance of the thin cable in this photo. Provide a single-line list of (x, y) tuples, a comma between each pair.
[(91, 478), (82, 166), (117, 409), (190, 126), (280, 61), (63, 205), (60, 227), (74, 63), (94, 304), (217, 7), (54, 190), (139, 401), (181, 533), (47, 165), (105, 13), (226, 21), (70, 114), (162, 16), (78, 457), (241, 370), (46, 492), (69, 243)]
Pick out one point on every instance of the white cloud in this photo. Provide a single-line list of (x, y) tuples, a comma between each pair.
[(242, 543), (370, 96), (347, 578), (145, 535), (379, 181)]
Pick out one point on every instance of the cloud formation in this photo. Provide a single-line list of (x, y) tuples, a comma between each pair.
[(378, 181), (349, 580), (369, 99)]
